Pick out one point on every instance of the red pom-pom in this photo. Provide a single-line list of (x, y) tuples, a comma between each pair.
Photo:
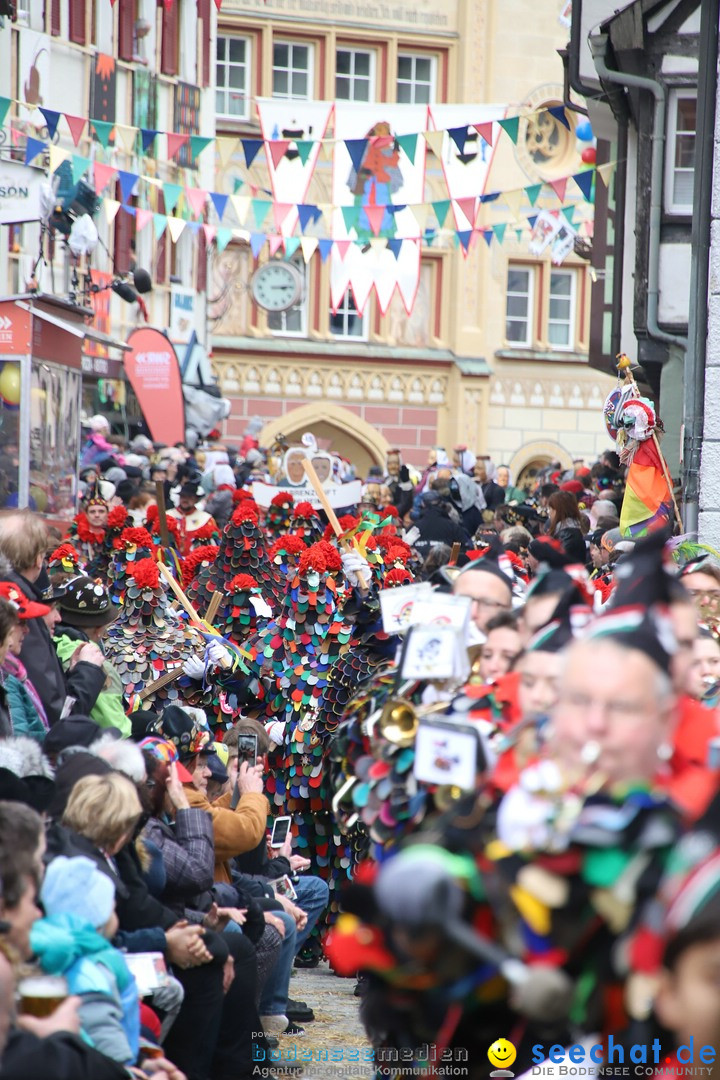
[(246, 511), (65, 552), (287, 545), (347, 522), (205, 532), (151, 514), (242, 583), (313, 559), (145, 574), (283, 498), (117, 517), (304, 510), (134, 538), (333, 561), (390, 511), (397, 576), (396, 553), (192, 562)]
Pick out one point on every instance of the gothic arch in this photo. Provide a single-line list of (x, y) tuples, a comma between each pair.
[(349, 434)]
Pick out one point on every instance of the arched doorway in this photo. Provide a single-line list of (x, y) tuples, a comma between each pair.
[(336, 429), (534, 456)]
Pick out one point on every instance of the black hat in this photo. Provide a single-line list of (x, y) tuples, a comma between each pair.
[(142, 721), (190, 490), (75, 731), (34, 791), (595, 536), (179, 727), (549, 551), (54, 592), (87, 603)]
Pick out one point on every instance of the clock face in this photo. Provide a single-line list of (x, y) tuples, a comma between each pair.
[(276, 286)]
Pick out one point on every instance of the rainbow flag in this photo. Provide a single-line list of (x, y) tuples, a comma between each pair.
[(647, 504)]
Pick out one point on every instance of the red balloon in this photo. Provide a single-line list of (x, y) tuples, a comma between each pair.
[(589, 155)]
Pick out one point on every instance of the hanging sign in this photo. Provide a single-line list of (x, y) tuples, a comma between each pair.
[(154, 373)]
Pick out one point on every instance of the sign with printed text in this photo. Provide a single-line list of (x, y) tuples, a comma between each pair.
[(182, 314), (154, 373), (339, 495), (19, 193)]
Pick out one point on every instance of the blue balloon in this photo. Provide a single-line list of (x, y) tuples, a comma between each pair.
[(584, 131)]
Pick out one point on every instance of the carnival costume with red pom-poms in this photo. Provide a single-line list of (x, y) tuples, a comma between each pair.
[(198, 560), (196, 529), (128, 549), (279, 515), (285, 554), (306, 523), (90, 543), (65, 559)]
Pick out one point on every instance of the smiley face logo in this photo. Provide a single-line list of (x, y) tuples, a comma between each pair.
[(502, 1053)]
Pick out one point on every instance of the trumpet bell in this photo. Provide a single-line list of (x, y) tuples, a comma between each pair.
[(398, 722)]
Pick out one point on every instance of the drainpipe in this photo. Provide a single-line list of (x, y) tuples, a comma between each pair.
[(598, 43)]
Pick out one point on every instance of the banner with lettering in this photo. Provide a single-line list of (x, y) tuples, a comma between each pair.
[(154, 373), (466, 154), (296, 130)]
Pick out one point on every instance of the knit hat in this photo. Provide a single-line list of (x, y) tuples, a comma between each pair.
[(87, 603), (166, 751), (178, 727), (24, 607), (77, 886)]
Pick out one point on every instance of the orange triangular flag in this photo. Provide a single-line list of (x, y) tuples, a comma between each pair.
[(485, 131)]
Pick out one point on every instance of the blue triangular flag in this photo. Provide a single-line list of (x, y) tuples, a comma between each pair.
[(488, 236), (356, 149), (51, 120), (395, 246), (148, 138), (429, 237), (257, 239), (395, 208), (128, 209), (459, 137), (490, 197), (305, 215), (558, 111), (584, 181), (324, 247), (464, 238), (251, 149), (532, 220), (128, 180), (33, 148), (219, 202)]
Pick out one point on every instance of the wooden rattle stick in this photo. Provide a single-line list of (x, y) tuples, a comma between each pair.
[(162, 515), (331, 515), (165, 679), (180, 595), (213, 606)]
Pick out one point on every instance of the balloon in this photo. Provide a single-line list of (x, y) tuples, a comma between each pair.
[(10, 385), (584, 131), (588, 155)]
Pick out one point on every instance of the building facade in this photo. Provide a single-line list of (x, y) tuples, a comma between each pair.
[(494, 353)]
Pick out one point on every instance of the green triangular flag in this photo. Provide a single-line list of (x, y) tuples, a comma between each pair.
[(160, 224), (511, 126), (569, 214), (103, 131), (80, 166), (441, 208), (351, 215), (5, 104), (292, 243), (518, 234), (499, 231), (408, 143), (222, 238), (260, 209), (533, 193), (171, 194), (304, 149), (198, 144)]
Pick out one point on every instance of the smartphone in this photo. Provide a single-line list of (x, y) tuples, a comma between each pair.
[(284, 887), (280, 830), (248, 749)]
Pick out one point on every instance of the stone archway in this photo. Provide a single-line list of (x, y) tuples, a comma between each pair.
[(538, 453), (338, 429)]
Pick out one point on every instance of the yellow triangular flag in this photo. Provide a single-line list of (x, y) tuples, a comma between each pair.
[(111, 208), (605, 172), (128, 137), (513, 200), (57, 156), (434, 139), (326, 149), (225, 148), (241, 234), (175, 226), (420, 213), (241, 203), (309, 247)]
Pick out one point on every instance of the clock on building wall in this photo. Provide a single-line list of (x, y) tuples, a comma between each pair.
[(276, 286)]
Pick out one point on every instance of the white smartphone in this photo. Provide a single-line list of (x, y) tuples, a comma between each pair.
[(280, 829)]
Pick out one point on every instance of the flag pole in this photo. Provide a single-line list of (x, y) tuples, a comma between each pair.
[(624, 364)]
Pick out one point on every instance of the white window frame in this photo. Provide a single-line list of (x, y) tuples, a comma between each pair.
[(299, 263), (227, 91), (676, 95), (345, 311), (405, 54), (291, 46), (528, 340), (352, 76), (572, 275)]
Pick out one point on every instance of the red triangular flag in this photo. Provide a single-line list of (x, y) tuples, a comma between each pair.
[(278, 150), (142, 217), (486, 131), (342, 246), (559, 187), (218, 4), (375, 215), (101, 176), (274, 243), (280, 212), (197, 197), (210, 231), (77, 126), (175, 142), (468, 207)]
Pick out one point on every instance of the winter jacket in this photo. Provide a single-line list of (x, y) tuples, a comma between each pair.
[(60, 1057), (109, 708), (220, 506), (235, 831), (5, 721), (109, 1003), (188, 852), (494, 494), (436, 526), (26, 712), (83, 683)]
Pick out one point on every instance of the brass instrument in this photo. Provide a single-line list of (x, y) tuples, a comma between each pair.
[(399, 719)]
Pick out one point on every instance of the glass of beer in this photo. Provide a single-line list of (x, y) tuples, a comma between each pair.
[(40, 994)]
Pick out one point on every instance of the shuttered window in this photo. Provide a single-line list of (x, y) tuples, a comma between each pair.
[(126, 29), (55, 18), (170, 38), (204, 15), (124, 235), (77, 22)]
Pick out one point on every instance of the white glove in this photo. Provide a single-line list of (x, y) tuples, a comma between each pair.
[(217, 654), (355, 568), (276, 732), (194, 666)]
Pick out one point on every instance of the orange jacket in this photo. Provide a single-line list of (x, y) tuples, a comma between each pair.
[(235, 831)]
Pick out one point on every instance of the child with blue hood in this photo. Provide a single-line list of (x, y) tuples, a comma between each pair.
[(73, 940)]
